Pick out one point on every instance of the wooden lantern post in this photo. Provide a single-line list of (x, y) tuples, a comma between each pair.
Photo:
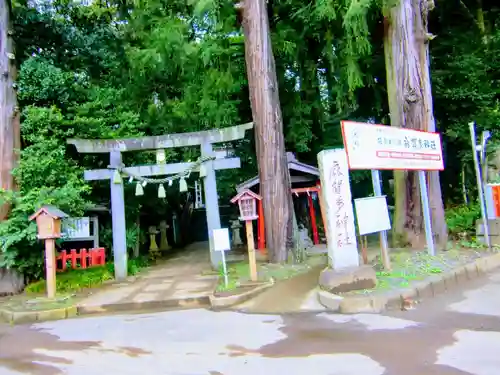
[(48, 221), (247, 202)]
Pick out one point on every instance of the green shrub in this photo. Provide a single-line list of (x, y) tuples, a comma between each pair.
[(74, 280), (461, 220), (78, 279), (134, 265)]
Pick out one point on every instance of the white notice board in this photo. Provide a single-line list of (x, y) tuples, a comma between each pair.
[(372, 214), (221, 239), (76, 227)]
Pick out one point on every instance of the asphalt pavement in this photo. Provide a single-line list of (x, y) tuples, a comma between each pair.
[(456, 333)]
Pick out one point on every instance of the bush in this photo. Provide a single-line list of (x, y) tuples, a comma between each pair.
[(461, 220), (78, 279), (74, 280)]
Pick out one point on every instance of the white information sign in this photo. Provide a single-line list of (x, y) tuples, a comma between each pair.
[(371, 146), (76, 227), (372, 214), (336, 190), (221, 239)]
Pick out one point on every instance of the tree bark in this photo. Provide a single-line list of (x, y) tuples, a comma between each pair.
[(10, 138), (264, 98), (406, 47)]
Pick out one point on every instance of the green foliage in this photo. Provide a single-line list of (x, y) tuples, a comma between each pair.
[(134, 266), (118, 69), (461, 220), (74, 280), (131, 234), (78, 279)]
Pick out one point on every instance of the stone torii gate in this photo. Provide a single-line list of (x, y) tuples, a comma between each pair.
[(115, 148)]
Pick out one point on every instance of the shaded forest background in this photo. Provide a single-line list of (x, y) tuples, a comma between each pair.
[(111, 69)]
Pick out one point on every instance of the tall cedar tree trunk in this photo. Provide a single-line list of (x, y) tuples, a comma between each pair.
[(270, 142), (10, 138), (406, 45)]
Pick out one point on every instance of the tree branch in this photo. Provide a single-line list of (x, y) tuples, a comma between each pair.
[(467, 10)]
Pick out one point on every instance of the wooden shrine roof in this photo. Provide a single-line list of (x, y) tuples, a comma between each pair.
[(312, 173)]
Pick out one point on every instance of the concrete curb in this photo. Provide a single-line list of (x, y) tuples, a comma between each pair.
[(21, 317), (222, 302), (174, 303), (432, 286)]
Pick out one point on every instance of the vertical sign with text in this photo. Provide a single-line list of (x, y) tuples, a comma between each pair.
[(336, 190)]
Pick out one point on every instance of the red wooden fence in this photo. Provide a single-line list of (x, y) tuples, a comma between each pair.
[(84, 258)]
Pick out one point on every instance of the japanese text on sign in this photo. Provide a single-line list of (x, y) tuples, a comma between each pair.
[(338, 180), (372, 146), (336, 193)]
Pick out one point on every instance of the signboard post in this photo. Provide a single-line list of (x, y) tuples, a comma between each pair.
[(480, 185), (370, 223), (381, 147), (384, 245), (427, 212), (222, 244), (48, 221), (247, 203)]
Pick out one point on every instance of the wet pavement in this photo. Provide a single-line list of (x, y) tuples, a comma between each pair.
[(455, 334)]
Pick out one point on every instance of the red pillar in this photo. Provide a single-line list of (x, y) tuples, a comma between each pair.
[(261, 233), (312, 213)]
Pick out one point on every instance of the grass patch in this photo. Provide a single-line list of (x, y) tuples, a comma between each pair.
[(239, 272), (411, 266), (74, 280), (78, 279)]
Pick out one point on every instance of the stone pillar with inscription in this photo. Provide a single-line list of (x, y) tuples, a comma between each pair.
[(336, 190)]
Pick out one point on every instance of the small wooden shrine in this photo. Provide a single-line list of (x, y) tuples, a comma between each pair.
[(304, 179)]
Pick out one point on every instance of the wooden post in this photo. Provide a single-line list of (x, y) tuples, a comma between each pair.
[(261, 233), (251, 250), (312, 213), (50, 266), (48, 221), (364, 248)]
